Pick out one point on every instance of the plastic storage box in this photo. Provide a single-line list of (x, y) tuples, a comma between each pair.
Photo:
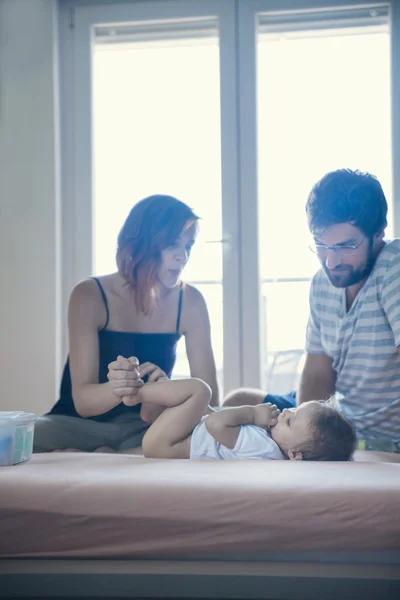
[(16, 437)]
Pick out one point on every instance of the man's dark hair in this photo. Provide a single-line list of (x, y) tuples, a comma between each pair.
[(347, 196)]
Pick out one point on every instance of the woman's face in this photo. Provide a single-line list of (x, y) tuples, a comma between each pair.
[(175, 257)]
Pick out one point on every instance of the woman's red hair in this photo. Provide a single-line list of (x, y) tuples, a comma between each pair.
[(152, 225)]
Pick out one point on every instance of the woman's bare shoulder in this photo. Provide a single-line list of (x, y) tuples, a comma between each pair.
[(89, 289), (194, 309), (193, 297), (86, 303)]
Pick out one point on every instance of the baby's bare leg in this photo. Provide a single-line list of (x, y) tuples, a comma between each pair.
[(150, 412), (186, 401)]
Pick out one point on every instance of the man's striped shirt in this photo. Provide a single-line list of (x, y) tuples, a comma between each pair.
[(363, 344)]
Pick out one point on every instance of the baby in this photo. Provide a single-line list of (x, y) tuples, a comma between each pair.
[(313, 431)]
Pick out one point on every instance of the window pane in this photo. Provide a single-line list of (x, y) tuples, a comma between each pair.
[(156, 110), (323, 104)]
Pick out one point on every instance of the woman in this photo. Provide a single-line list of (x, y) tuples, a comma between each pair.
[(140, 311)]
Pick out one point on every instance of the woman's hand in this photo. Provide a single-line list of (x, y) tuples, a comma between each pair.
[(125, 381), (153, 372)]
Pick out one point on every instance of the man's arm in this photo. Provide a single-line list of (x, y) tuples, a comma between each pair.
[(317, 380), (391, 299)]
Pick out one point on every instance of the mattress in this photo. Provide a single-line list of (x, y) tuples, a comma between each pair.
[(75, 505)]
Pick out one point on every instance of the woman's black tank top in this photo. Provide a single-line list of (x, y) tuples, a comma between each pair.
[(158, 348)]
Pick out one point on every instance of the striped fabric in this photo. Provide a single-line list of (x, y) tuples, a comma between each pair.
[(363, 344)]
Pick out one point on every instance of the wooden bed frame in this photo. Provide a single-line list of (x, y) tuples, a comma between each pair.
[(255, 571), (103, 579)]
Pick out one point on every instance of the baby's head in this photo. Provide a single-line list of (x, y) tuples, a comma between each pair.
[(315, 431)]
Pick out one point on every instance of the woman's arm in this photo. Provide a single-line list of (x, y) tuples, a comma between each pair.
[(197, 331), (86, 315)]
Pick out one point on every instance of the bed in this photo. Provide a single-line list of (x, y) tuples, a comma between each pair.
[(108, 526)]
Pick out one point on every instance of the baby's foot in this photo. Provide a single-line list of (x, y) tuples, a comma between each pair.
[(131, 400)]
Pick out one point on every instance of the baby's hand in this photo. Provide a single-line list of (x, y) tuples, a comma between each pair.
[(266, 415)]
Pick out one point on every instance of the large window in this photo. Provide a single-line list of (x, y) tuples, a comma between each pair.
[(323, 104), (236, 107), (156, 109)]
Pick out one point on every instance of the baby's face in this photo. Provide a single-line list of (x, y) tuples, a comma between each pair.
[(293, 428)]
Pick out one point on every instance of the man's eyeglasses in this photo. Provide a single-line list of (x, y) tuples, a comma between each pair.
[(344, 250)]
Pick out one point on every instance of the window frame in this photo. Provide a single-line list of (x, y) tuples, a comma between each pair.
[(241, 285), (77, 20), (247, 40)]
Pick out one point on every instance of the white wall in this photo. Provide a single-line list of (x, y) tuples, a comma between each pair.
[(29, 205)]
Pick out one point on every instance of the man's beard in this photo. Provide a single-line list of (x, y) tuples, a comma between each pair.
[(347, 275)]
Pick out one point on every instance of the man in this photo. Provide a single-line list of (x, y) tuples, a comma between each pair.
[(353, 334)]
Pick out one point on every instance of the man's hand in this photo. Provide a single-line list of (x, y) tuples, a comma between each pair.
[(266, 415)]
